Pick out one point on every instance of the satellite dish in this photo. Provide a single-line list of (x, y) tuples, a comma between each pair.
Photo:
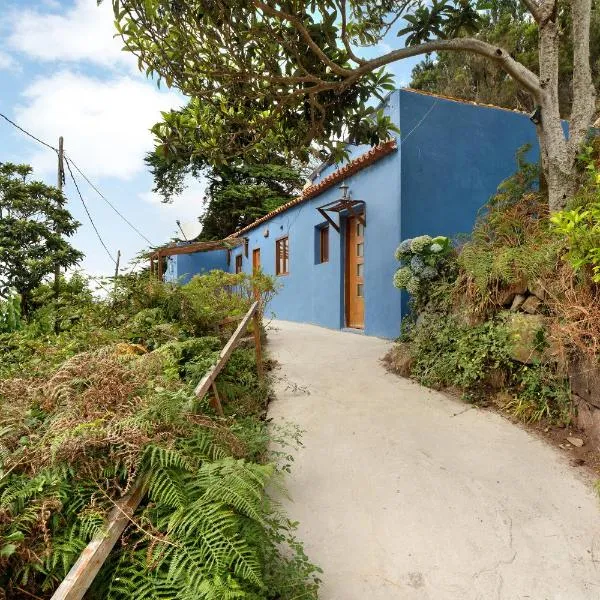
[(191, 229)]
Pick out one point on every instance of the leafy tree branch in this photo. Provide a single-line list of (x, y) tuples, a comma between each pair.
[(292, 69)]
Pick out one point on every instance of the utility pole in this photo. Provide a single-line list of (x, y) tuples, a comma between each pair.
[(117, 271), (60, 183)]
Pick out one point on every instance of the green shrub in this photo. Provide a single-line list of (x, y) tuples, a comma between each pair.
[(239, 381), (10, 312), (215, 296), (515, 244), (447, 354), (205, 530), (581, 228), (580, 224), (151, 328), (191, 358), (225, 539), (135, 292), (511, 242), (540, 394)]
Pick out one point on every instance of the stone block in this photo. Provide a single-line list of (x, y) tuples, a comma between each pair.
[(517, 302), (587, 418), (584, 376), (524, 335), (556, 352), (537, 289), (506, 296), (531, 305)]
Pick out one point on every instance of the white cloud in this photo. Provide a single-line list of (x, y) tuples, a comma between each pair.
[(187, 207), (105, 123), (84, 32)]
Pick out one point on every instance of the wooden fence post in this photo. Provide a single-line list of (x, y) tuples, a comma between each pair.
[(207, 381), (216, 403), (257, 345)]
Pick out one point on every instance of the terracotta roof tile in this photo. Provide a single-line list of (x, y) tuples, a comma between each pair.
[(359, 163)]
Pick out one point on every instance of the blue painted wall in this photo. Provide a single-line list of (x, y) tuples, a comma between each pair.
[(450, 160), (454, 156), (312, 292), (182, 267)]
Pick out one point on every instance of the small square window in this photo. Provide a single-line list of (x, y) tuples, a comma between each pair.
[(359, 290), (360, 269)]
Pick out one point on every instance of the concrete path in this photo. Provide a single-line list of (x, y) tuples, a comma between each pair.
[(404, 493)]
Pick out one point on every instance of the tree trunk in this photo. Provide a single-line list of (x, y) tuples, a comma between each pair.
[(558, 168), (559, 154), (562, 183), (558, 163)]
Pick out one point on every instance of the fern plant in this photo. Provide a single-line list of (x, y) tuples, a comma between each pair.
[(85, 413), (209, 531)]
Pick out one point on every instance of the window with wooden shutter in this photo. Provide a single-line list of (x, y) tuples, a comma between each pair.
[(238, 263), (324, 244), (282, 256)]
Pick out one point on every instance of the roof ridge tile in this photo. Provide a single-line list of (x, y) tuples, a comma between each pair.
[(355, 165)]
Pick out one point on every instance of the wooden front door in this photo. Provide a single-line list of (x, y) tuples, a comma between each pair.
[(355, 265), (255, 260)]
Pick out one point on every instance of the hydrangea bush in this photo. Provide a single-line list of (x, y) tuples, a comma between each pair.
[(422, 259)]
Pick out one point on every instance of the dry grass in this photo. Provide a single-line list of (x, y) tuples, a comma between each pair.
[(85, 404), (575, 306), (399, 359), (89, 406)]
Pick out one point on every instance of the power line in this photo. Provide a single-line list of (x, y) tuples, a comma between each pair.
[(420, 122), (29, 134), (83, 175), (109, 203), (88, 212)]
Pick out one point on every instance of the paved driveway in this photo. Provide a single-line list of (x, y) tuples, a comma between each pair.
[(404, 493)]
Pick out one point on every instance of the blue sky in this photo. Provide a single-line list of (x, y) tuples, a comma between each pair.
[(62, 73)]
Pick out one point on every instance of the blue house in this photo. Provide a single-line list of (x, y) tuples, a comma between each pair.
[(332, 248)]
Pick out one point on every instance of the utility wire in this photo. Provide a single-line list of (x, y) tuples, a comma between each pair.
[(88, 212), (83, 175), (420, 122), (109, 202), (29, 134), (99, 282)]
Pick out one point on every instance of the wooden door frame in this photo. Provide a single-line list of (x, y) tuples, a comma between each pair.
[(346, 269)]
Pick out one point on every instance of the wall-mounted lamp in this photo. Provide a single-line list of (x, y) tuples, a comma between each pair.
[(344, 187), (536, 115)]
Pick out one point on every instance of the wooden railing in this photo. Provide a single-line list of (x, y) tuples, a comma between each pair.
[(90, 561), (208, 381)]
